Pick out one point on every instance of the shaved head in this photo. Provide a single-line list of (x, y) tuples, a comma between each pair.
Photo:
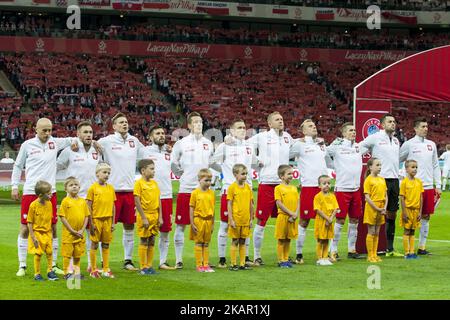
[(44, 129), (43, 122)]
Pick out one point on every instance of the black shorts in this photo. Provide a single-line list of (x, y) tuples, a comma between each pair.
[(393, 191)]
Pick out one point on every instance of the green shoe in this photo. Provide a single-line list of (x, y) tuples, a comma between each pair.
[(394, 254), (57, 270)]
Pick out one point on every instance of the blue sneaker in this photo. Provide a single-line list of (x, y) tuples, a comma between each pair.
[(414, 256), (284, 265), (409, 257), (143, 272), (52, 276), (151, 271), (38, 277), (289, 264)]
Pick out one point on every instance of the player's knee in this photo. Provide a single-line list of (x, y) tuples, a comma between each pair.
[(341, 221), (127, 226), (94, 245), (151, 241), (241, 241), (24, 231), (304, 223), (105, 245), (54, 231), (353, 221), (425, 217)]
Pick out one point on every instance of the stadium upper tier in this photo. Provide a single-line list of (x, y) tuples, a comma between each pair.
[(68, 88)]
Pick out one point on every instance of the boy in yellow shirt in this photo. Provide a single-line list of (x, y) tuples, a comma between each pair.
[(240, 209), (286, 226), (375, 192), (100, 200), (149, 215), (201, 211), (326, 207), (74, 215), (411, 199), (39, 221)]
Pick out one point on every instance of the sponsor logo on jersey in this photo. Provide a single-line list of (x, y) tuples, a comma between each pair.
[(370, 127)]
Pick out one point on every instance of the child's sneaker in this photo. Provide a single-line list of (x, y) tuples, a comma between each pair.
[(95, 274), (38, 277), (21, 272), (234, 268), (283, 265), (68, 276), (299, 259), (414, 256), (165, 266), (245, 267), (57, 270), (143, 271), (222, 263), (208, 269), (248, 262), (151, 271), (200, 269), (179, 265), (108, 274), (52, 276)]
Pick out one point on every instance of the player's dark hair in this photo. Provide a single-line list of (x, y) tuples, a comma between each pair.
[(84, 123), (383, 118), (153, 128), (418, 121), (191, 115)]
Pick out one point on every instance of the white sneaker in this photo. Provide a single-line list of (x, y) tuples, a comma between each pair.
[(319, 262), (327, 262), (21, 272)]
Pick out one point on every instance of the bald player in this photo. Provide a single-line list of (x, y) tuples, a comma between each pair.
[(424, 152), (38, 157), (120, 150), (273, 150), (311, 153)]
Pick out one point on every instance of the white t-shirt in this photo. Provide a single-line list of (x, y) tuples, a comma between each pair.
[(273, 151), (387, 150), (347, 159), (39, 161), (227, 155), (121, 154), (311, 162), (424, 151), (161, 158), (7, 160), (189, 155), (81, 165), (446, 157)]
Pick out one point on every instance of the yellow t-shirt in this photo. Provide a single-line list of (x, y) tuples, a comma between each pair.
[(376, 188), (75, 211), (149, 193), (203, 203), (411, 190), (102, 198), (288, 195), (40, 215), (241, 198), (326, 203)]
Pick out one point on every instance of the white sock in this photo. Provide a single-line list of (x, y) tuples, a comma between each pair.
[(100, 251), (128, 244), (55, 251), (163, 246), (71, 265), (352, 236), (258, 235), (444, 184), (301, 239), (425, 227), (88, 247), (337, 236), (247, 246), (179, 242), (222, 237), (22, 250)]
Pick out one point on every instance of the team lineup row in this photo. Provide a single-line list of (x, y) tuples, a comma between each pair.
[(265, 151)]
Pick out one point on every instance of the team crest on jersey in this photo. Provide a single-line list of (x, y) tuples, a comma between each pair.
[(430, 148), (370, 127), (167, 156), (131, 143), (205, 146), (357, 149), (286, 140), (94, 155), (322, 147), (249, 150), (51, 145)]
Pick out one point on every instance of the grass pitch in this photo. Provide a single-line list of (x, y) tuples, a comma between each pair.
[(425, 278)]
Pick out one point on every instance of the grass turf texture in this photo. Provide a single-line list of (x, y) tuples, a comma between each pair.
[(425, 278)]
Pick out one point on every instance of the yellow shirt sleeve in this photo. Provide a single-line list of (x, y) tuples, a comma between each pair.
[(31, 211), (367, 185), (278, 194), (318, 202), (230, 192), (421, 186), (62, 209), (193, 199), (403, 187), (137, 189), (86, 210), (335, 202), (90, 193)]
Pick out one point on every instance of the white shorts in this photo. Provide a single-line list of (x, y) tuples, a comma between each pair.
[(446, 172)]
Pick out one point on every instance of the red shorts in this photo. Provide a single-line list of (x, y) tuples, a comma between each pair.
[(266, 206), (27, 199), (125, 210), (183, 209), (224, 208), (349, 202), (428, 201), (307, 202), (166, 209)]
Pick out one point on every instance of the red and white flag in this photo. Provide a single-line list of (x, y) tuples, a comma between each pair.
[(42, 1), (126, 5), (156, 4), (325, 14), (213, 8), (280, 10)]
